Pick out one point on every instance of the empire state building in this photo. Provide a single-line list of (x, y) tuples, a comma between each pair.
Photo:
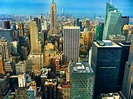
[(53, 24)]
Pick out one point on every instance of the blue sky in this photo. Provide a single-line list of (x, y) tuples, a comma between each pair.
[(84, 7)]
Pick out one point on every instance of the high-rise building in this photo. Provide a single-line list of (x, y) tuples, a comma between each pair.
[(21, 29), (14, 46), (125, 20), (81, 81), (41, 39), (77, 22), (7, 33), (124, 57), (71, 43), (126, 29), (53, 23), (112, 22), (2, 69), (44, 25), (38, 23), (109, 8), (105, 66), (99, 31), (5, 49), (62, 11), (127, 81), (35, 44), (50, 89), (24, 53), (88, 24), (6, 24), (4, 85), (80, 24), (128, 75), (34, 62), (89, 39)]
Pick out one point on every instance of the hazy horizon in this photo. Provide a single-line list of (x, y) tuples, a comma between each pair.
[(74, 7)]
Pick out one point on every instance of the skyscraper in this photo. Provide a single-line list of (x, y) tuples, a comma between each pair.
[(35, 44), (88, 24), (125, 20), (35, 58), (124, 57), (5, 48), (6, 24), (81, 81), (71, 43), (126, 32), (21, 29), (44, 25), (53, 24), (99, 31), (109, 8), (105, 66), (127, 87), (112, 22)]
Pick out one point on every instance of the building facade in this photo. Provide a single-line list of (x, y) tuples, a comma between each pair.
[(71, 43), (35, 44), (20, 67), (105, 66), (5, 48), (124, 58), (99, 31), (53, 23), (34, 62), (128, 75), (21, 29), (81, 81), (112, 22)]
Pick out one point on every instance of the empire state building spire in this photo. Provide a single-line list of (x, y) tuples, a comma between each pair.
[(53, 23)]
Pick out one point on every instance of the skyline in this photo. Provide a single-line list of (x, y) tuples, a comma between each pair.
[(75, 7)]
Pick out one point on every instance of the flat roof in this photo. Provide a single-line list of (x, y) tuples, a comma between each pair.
[(71, 27), (125, 44), (81, 68), (114, 45)]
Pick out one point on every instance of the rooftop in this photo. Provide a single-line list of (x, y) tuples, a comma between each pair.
[(81, 68), (71, 27), (106, 44)]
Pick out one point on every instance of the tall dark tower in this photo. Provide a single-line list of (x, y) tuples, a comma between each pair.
[(105, 66), (53, 26), (127, 87), (6, 24)]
